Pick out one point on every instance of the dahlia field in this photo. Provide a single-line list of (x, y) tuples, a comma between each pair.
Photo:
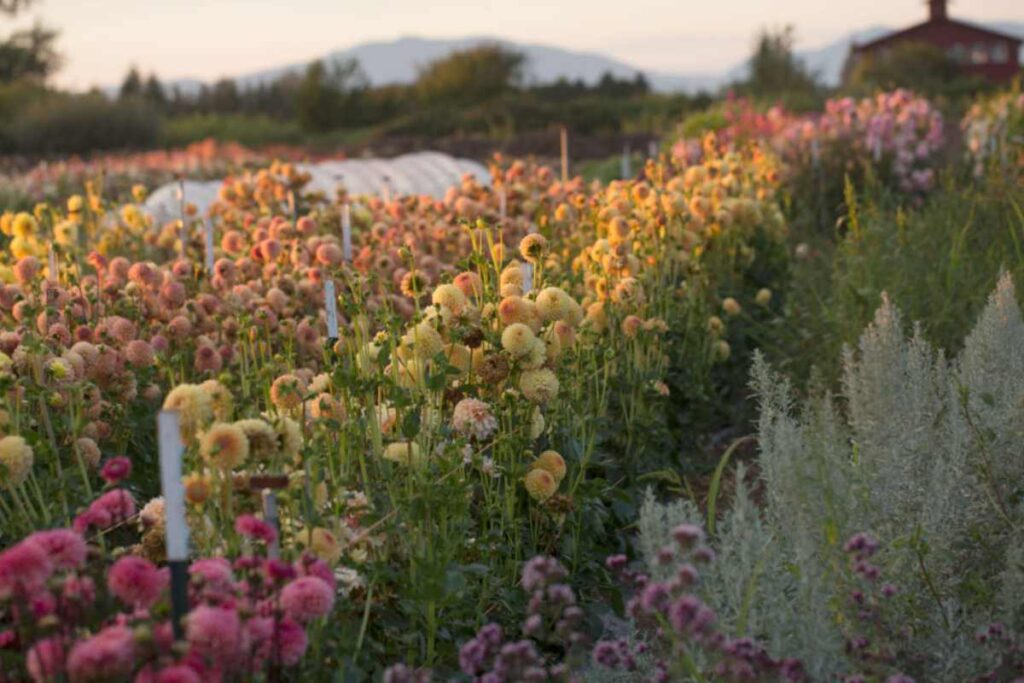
[(511, 434)]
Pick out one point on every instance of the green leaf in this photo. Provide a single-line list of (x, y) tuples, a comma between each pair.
[(716, 481)]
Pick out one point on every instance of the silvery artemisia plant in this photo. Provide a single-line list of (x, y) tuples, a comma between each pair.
[(921, 453)]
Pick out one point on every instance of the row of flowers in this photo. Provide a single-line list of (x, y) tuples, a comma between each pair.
[(497, 354)]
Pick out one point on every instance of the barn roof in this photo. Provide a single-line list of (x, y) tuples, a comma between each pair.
[(925, 26)]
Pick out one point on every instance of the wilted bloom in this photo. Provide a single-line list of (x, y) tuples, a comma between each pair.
[(533, 247), (286, 392), (473, 418), (539, 386)]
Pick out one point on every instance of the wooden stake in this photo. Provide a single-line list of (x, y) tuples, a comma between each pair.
[(184, 229), (208, 229), (51, 261), (565, 154)]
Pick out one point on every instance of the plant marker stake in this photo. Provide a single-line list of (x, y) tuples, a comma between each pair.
[(208, 227), (346, 232), (171, 449), (502, 203), (51, 259), (652, 149), (625, 169), (184, 231), (815, 152), (565, 154), (386, 189), (331, 308), (270, 517)]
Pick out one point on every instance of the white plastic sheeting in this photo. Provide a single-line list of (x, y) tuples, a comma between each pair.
[(421, 173)]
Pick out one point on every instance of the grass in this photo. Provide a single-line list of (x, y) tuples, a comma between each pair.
[(937, 262)]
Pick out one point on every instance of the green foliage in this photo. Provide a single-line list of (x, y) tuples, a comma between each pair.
[(922, 67), (775, 72), (328, 93), (28, 54), (316, 102), (251, 131), (131, 86), (935, 261), (924, 455), (80, 124), (474, 75), (706, 121)]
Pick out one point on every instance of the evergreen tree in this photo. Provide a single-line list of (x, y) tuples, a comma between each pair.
[(131, 86), (154, 91), (317, 100)]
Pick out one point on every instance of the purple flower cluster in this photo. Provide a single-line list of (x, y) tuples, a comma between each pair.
[(1007, 647), (489, 659), (679, 622), (896, 127), (552, 621), (873, 641)]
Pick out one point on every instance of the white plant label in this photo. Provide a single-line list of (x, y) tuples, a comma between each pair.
[(331, 308), (502, 203), (346, 232), (171, 450), (527, 270), (184, 219), (208, 229), (270, 517)]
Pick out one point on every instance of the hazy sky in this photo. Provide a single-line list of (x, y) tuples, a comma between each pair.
[(210, 38)]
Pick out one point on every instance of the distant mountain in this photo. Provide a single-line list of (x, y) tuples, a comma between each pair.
[(398, 61)]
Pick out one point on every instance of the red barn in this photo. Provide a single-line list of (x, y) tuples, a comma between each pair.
[(979, 51)]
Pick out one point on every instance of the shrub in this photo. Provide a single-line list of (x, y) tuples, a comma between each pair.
[(936, 263), (924, 455), (251, 131), (75, 125)]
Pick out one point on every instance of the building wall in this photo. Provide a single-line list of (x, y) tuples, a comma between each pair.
[(978, 52)]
